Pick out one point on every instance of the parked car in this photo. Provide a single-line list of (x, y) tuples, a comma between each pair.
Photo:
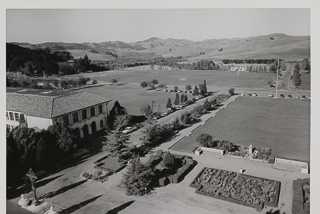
[(289, 96), (281, 96), (254, 95), (242, 95), (303, 97), (249, 94), (297, 97), (127, 129), (270, 95)]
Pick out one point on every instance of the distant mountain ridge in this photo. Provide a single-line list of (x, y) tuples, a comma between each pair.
[(268, 46)]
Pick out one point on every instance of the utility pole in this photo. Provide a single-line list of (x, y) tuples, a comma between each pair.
[(277, 79)]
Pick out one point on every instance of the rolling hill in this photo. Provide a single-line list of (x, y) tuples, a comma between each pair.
[(260, 47)]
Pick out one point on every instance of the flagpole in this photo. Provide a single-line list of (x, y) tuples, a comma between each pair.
[(277, 79)]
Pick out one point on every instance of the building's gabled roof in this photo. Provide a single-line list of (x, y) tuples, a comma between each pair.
[(46, 106)]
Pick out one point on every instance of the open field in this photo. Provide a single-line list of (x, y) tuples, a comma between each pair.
[(132, 97), (184, 77), (282, 125), (305, 81)]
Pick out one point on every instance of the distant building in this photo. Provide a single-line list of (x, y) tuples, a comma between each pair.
[(237, 68), (84, 112)]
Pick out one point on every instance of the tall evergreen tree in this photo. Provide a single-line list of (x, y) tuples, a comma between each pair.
[(195, 91), (177, 101), (182, 98), (169, 104), (137, 180)]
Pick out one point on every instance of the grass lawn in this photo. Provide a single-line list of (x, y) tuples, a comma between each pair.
[(184, 77), (132, 97), (282, 125), (305, 81)]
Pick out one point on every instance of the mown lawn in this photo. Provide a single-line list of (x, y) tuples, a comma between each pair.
[(184, 77), (282, 125), (132, 97)]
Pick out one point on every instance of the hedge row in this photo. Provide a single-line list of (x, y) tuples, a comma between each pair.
[(182, 172), (257, 206)]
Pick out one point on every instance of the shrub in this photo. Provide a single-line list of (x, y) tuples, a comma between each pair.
[(113, 81), (231, 91), (188, 87), (143, 84), (94, 82), (168, 160), (154, 82), (205, 139)]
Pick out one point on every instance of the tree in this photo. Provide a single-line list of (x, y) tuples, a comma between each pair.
[(203, 89), (116, 111), (154, 82), (151, 85), (185, 98), (176, 101), (82, 64), (82, 81), (188, 87), (306, 64), (66, 69), (65, 138), (113, 81), (205, 140), (26, 139), (168, 160), (118, 145), (137, 180), (94, 82), (146, 110), (296, 75), (14, 165), (169, 105), (144, 84), (175, 88), (182, 98), (195, 91), (231, 91), (64, 84), (206, 105)]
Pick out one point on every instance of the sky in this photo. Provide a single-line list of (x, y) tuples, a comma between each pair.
[(132, 25)]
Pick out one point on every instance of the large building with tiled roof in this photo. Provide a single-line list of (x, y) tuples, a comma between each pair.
[(84, 112)]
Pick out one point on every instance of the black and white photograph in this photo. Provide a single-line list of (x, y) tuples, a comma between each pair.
[(159, 110)]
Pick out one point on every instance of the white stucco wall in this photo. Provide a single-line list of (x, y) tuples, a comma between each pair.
[(42, 123)]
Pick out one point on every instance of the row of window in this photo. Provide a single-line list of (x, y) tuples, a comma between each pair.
[(14, 116), (75, 115)]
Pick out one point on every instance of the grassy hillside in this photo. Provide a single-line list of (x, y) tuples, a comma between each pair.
[(268, 46)]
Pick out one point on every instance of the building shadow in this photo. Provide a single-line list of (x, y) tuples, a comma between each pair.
[(120, 208), (62, 190), (78, 206), (46, 181), (26, 188)]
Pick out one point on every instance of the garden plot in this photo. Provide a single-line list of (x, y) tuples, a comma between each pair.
[(282, 125), (237, 188)]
